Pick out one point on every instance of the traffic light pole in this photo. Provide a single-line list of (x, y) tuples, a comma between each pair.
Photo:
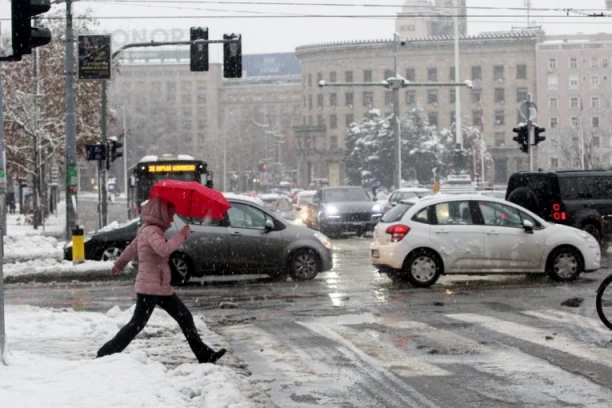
[(530, 139), (103, 205), (71, 165)]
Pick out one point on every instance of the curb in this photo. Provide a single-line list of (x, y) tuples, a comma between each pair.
[(69, 276)]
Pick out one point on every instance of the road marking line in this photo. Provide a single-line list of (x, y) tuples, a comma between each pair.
[(571, 318)]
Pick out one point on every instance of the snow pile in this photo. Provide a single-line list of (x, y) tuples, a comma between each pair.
[(53, 269), (20, 248), (50, 363)]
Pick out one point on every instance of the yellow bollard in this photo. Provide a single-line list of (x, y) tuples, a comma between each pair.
[(78, 245)]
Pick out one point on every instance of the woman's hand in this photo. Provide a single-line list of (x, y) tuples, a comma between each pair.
[(115, 271), (185, 231)]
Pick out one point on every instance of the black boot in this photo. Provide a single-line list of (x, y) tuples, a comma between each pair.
[(216, 356)]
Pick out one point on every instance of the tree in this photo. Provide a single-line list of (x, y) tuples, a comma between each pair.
[(564, 145), (419, 146), (472, 147)]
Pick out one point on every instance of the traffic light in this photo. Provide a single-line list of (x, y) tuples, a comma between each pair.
[(539, 130), (199, 52), (522, 137), (232, 56), (24, 36), (115, 145), (263, 167)]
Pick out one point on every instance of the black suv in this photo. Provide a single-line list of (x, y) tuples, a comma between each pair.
[(580, 199)]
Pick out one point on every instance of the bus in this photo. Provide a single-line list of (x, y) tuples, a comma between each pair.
[(151, 169)]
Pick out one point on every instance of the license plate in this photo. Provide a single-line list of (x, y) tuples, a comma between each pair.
[(375, 253)]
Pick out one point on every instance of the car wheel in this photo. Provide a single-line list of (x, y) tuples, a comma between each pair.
[(111, 254), (593, 230), (422, 268), (303, 265), (564, 264), (180, 268)]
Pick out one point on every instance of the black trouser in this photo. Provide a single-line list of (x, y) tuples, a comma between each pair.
[(145, 304)]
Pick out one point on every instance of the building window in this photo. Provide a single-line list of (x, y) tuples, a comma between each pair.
[(432, 97), (389, 74), (350, 118), (573, 63), (552, 103), (332, 76), (476, 73), (348, 76), (595, 122), (522, 94), (604, 62), (333, 142), (389, 98), (594, 62), (500, 117), (451, 74), (554, 163), (573, 82), (368, 99), (186, 99), (320, 100), (476, 95), (367, 75), (433, 119), (309, 101), (554, 122), (499, 95), (320, 121), (552, 82), (452, 96), (500, 139), (410, 97), (498, 72), (521, 71), (476, 118), (333, 99), (595, 102), (411, 74), (594, 81), (348, 99), (333, 122), (552, 63), (432, 74), (574, 103), (575, 121), (595, 141), (310, 80)]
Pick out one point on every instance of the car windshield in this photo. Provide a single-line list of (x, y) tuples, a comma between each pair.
[(345, 194), (277, 205), (396, 213)]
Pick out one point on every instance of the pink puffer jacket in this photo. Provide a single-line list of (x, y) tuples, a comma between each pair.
[(153, 277)]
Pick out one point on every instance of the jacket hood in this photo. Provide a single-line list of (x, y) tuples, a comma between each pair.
[(157, 212)]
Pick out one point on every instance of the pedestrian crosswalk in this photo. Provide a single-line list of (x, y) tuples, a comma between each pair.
[(515, 358)]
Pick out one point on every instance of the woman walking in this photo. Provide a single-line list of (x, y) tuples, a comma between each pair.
[(153, 282)]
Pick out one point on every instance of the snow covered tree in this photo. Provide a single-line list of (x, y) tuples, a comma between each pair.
[(562, 149), (419, 142), (472, 145)]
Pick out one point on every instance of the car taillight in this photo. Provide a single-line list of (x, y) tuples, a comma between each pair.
[(558, 213), (397, 232)]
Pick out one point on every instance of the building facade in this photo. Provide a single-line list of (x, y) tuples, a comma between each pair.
[(501, 65), (575, 101)]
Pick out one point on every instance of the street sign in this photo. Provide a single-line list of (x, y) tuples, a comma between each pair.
[(529, 111), (96, 152), (94, 57)]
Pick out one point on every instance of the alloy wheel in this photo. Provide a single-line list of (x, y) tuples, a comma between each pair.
[(304, 265), (110, 254)]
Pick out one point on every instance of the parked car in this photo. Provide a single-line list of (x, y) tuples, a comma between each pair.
[(335, 210), (107, 243), (280, 204), (405, 194), (418, 241), (581, 199), (249, 240)]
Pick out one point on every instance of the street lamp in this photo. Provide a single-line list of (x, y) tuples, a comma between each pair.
[(396, 83)]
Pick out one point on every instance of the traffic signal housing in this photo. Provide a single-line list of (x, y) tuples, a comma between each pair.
[(232, 56), (24, 35), (522, 137), (263, 167), (199, 51), (115, 153), (537, 132)]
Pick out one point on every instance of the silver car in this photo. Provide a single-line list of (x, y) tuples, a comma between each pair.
[(249, 240)]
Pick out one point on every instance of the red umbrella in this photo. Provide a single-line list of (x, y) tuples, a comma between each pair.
[(191, 199)]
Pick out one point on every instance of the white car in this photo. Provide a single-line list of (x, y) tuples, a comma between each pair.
[(406, 193), (419, 240)]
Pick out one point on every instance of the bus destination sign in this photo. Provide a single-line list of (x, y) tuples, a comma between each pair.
[(165, 168)]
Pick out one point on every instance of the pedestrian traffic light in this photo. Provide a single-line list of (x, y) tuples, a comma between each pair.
[(522, 137), (24, 35), (232, 56), (115, 145), (538, 131), (199, 50)]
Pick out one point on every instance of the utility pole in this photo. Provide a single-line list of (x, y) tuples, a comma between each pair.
[(3, 185), (102, 164), (37, 155), (396, 113), (71, 164), (458, 133), (125, 150)]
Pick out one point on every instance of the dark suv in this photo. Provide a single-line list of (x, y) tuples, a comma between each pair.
[(580, 199)]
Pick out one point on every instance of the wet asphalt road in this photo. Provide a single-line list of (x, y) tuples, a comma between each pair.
[(352, 338)]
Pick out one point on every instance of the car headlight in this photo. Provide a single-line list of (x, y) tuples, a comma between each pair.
[(331, 210), (323, 239), (377, 208)]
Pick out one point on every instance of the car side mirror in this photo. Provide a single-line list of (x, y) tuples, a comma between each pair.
[(528, 226), (269, 225), (393, 204)]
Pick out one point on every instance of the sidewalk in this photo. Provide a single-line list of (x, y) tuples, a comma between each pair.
[(51, 363)]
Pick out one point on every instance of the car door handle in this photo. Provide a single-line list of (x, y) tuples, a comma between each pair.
[(441, 231), (492, 232), (236, 234)]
